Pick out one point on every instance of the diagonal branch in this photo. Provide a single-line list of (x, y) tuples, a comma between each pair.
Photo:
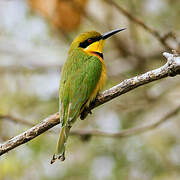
[(171, 68), (153, 32)]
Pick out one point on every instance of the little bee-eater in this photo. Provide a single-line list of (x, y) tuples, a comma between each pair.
[(83, 76)]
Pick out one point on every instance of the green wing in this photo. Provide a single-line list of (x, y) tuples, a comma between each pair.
[(80, 76)]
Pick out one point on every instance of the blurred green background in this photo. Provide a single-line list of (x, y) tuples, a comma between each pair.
[(34, 40)]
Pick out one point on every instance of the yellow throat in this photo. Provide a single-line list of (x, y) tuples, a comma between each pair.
[(95, 47)]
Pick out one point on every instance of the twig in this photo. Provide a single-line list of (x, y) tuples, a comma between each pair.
[(15, 69), (16, 120), (152, 31), (128, 132), (171, 68)]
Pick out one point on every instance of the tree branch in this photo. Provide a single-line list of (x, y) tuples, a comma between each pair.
[(16, 120), (156, 34), (171, 68), (128, 132)]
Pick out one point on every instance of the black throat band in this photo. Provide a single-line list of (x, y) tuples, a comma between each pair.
[(99, 54)]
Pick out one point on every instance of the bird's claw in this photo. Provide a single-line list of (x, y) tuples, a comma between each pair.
[(85, 113)]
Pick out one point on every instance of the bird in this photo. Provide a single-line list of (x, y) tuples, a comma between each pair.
[(83, 76)]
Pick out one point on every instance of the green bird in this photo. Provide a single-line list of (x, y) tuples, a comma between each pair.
[(83, 76)]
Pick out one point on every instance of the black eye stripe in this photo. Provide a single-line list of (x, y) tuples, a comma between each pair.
[(89, 41)]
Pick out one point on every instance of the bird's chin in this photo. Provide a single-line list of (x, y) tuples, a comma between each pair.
[(96, 46)]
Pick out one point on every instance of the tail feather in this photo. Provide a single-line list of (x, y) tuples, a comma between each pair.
[(61, 145), (64, 133), (62, 140)]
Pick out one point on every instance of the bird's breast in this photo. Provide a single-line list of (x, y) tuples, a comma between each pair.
[(101, 81)]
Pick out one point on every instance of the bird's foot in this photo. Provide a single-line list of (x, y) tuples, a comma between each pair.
[(85, 113)]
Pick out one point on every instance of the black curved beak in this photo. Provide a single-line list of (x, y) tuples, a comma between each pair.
[(110, 33)]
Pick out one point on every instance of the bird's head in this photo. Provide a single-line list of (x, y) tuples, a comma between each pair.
[(92, 41)]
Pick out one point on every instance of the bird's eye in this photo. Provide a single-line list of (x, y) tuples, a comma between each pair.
[(90, 40)]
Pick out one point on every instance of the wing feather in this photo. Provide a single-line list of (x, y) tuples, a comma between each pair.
[(80, 76)]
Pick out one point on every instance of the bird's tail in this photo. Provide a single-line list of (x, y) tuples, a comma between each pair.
[(60, 150)]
